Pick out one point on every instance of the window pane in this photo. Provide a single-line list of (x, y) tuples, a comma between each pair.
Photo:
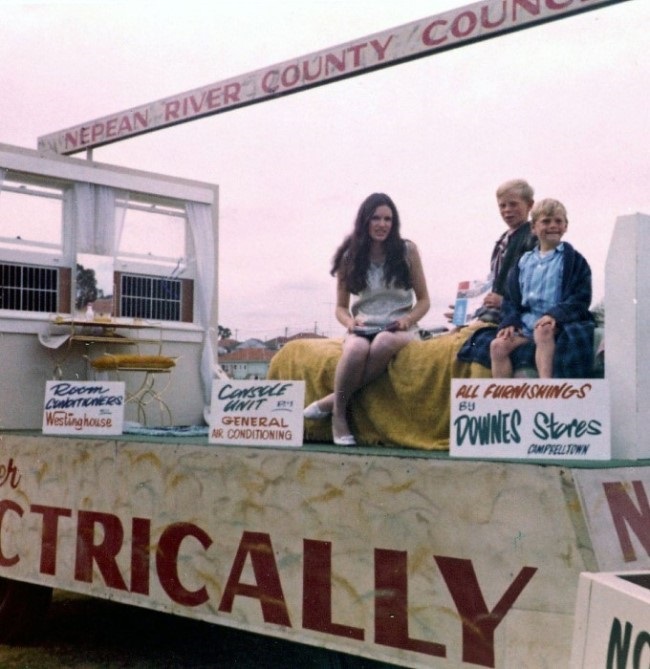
[(148, 232), (150, 297), (31, 214), (27, 288)]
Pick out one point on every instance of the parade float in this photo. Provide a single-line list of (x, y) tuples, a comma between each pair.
[(419, 557)]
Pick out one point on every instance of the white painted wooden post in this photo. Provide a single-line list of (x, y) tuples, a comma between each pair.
[(627, 336)]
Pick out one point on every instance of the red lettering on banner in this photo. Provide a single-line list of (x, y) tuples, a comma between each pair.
[(322, 66), (485, 17), (356, 53), (196, 104), (167, 563), (458, 30), (49, 534), (380, 48), (317, 592), (391, 605), (9, 474), (267, 589), (270, 81), (530, 6), (427, 37), (312, 76), (336, 63), (469, 22), (111, 128), (625, 513), (104, 130), (479, 20), (290, 76), (140, 550), (124, 125), (8, 505), (102, 554), (478, 623), (231, 93)]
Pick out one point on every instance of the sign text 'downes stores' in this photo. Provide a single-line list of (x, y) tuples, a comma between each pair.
[(530, 418)]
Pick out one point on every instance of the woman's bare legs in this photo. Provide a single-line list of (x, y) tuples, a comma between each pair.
[(361, 363), (347, 380)]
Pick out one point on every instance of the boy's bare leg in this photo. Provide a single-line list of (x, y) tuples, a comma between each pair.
[(545, 350), (500, 351)]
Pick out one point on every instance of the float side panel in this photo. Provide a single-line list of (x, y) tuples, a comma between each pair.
[(259, 538)]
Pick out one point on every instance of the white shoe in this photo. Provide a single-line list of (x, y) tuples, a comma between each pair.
[(345, 440), (314, 412)]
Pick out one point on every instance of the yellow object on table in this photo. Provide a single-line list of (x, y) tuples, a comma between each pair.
[(126, 361)]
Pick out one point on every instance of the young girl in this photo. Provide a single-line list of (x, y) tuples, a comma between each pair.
[(385, 274), (547, 301)]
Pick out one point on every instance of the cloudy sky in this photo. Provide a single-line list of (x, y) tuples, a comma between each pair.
[(564, 105)]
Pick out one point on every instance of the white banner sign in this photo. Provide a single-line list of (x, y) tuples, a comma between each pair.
[(558, 419), (257, 413), (454, 28), (83, 407)]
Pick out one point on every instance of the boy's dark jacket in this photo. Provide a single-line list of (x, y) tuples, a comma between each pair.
[(575, 297)]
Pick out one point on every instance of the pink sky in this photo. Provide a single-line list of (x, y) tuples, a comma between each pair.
[(563, 105)]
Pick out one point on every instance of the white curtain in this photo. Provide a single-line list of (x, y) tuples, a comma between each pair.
[(104, 220), (99, 218), (121, 206), (110, 210), (84, 217), (199, 217)]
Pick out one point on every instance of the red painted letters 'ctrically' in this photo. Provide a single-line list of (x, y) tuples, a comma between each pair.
[(478, 623), (267, 589), (317, 592)]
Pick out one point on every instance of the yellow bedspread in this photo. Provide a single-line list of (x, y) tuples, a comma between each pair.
[(408, 406)]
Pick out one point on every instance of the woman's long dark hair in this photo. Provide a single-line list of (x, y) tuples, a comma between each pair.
[(352, 258)]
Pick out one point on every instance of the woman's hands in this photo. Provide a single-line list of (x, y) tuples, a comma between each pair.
[(402, 324)]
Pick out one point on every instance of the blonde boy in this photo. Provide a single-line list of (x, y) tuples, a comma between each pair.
[(547, 296)]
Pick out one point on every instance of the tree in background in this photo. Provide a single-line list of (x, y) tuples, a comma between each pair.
[(224, 333), (86, 286)]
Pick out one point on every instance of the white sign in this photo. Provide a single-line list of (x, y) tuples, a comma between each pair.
[(454, 28), (612, 621), (83, 407), (557, 419), (257, 413), (617, 513)]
